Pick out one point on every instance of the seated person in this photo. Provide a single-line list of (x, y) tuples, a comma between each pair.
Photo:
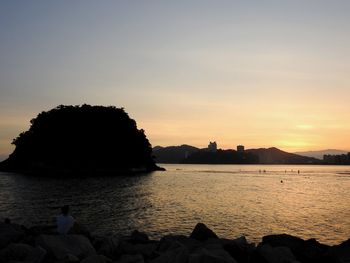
[(64, 221)]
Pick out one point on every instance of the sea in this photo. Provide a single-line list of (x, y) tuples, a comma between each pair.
[(308, 201)]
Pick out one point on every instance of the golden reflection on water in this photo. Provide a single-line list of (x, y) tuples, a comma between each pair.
[(233, 200), (236, 200)]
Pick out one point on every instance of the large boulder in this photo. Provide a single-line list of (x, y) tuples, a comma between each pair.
[(108, 246), (59, 246), (309, 251), (10, 233), (22, 253), (201, 232), (96, 259), (131, 259), (169, 242), (178, 253), (283, 240), (214, 255), (41, 230), (146, 250), (268, 254), (338, 254), (240, 249), (139, 237)]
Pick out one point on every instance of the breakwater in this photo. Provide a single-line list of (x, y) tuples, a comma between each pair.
[(41, 244)]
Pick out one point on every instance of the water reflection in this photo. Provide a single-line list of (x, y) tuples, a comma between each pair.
[(94, 201), (233, 200)]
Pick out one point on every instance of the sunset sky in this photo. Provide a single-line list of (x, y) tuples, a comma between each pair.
[(257, 73)]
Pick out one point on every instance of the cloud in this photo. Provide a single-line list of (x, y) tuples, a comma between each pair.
[(305, 126)]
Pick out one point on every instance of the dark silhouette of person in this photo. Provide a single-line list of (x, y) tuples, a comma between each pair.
[(64, 221)]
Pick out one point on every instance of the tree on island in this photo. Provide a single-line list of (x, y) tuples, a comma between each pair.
[(82, 139)]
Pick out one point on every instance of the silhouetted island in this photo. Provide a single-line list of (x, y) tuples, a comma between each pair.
[(82, 140)]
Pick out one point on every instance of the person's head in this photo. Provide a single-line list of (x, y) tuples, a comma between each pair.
[(65, 210)]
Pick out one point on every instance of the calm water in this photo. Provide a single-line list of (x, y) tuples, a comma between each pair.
[(231, 199)]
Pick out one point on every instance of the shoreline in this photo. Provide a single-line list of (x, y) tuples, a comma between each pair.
[(49, 172), (41, 244)]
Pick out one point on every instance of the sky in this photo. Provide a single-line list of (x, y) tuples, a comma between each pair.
[(257, 73)]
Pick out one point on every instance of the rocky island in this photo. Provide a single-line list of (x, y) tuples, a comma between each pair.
[(84, 140)]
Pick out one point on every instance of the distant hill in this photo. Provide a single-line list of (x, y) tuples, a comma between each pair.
[(190, 154), (319, 154), (173, 154), (205, 156), (276, 156)]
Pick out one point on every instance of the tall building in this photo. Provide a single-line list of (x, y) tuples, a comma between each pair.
[(212, 147), (240, 148)]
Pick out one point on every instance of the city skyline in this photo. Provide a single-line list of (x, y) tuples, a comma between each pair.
[(272, 74)]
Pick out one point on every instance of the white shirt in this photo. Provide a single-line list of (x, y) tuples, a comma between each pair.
[(64, 224)]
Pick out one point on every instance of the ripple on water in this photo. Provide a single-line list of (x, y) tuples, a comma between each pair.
[(231, 199)]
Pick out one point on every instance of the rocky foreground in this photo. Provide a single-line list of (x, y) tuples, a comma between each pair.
[(41, 244)]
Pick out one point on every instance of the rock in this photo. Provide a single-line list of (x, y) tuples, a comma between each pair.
[(22, 253), (41, 230), (131, 259), (339, 253), (145, 250), (179, 254), (175, 241), (10, 233), (139, 237), (201, 232), (269, 254), (211, 256), (79, 229), (96, 259), (69, 258), (212, 244), (241, 241), (108, 246), (240, 249), (283, 240), (33, 232), (309, 251), (59, 246)]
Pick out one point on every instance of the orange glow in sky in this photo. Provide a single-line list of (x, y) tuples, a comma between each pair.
[(256, 73)]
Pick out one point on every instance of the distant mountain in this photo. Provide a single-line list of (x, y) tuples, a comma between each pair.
[(319, 154), (190, 154), (173, 154), (220, 156), (276, 156)]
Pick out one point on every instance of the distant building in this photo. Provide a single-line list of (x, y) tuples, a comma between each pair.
[(240, 148), (186, 154), (212, 147)]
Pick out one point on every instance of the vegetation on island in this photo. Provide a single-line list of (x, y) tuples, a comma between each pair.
[(339, 159), (85, 138)]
